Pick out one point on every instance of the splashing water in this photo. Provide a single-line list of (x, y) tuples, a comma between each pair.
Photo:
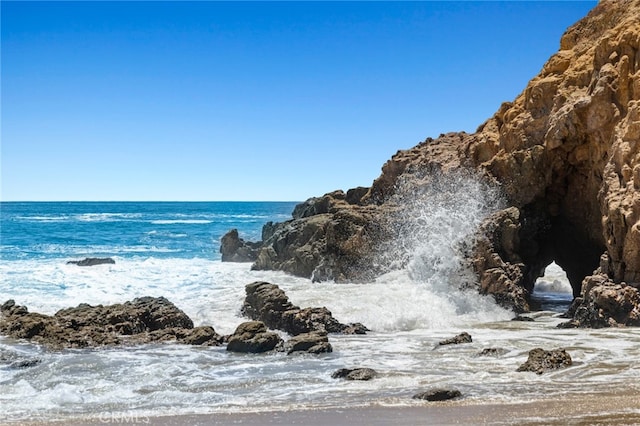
[(432, 234)]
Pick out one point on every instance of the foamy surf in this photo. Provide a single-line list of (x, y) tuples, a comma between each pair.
[(409, 310)]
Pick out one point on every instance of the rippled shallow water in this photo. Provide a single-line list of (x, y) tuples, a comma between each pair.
[(172, 379)]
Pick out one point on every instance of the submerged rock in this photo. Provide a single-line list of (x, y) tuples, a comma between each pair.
[(143, 320), (438, 394), (492, 352), (541, 361), (92, 261), (522, 318), (463, 337), (268, 303), (354, 374), (253, 337), (12, 359)]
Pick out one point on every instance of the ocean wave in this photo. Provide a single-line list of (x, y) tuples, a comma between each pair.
[(105, 217), (80, 250), (82, 217), (42, 218), (146, 249), (139, 217), (181, 221), (163, 234)]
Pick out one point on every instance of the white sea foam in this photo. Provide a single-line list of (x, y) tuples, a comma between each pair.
[(432, 232), (84, 217), (89, 250), (42, 218), (106, 217), (407, 322)]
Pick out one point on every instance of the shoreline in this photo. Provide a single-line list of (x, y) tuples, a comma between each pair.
[(588, 409)]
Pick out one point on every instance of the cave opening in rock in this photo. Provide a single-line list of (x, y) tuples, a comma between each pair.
[(549, 237), (552, 291)]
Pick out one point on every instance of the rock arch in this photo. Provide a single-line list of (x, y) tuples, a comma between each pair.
[(566, 153)]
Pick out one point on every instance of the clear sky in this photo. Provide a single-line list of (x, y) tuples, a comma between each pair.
[(249, 101)]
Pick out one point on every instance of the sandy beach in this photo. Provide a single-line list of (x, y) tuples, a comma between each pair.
[(589, 409)]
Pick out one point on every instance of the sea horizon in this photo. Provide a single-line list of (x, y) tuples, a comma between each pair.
[(149, 201)]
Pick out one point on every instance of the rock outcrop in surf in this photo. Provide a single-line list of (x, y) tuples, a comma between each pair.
[(268, 303), (566, 157), (156, 319), (143, 320)]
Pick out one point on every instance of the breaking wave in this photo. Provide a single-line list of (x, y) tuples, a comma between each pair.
[(432, 232)]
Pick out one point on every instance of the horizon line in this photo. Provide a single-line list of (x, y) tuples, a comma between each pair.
[(150, 201)]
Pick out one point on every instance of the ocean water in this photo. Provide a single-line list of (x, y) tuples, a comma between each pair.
[(172, 250)]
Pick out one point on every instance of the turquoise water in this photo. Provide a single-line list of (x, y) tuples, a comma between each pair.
[(129, 229)]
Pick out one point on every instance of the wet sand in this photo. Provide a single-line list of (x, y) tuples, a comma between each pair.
[(590, 409)]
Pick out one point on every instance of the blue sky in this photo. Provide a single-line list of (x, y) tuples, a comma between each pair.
[(249, 101)]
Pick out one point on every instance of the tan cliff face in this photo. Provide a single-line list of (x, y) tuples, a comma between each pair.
[(568, 141), (565, 153)]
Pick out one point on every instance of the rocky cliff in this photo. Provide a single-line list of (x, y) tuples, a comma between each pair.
[(565, 154)]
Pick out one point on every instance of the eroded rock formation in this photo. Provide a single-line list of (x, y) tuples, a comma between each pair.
[(604, 303), (268, 303), (235, 249), (565, 154), (329, 238), (143, 320)]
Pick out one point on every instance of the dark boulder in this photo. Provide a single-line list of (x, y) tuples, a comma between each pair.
[(313, 343), (92, 261), (354, 328), (522, 318), (354, 374), (438, 394), (143, 320), (12, 359), (463, 337), (311, 319), (541, 361), (268, 303), (235, 249), (253, 337), (492, 352), (202, 336)]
